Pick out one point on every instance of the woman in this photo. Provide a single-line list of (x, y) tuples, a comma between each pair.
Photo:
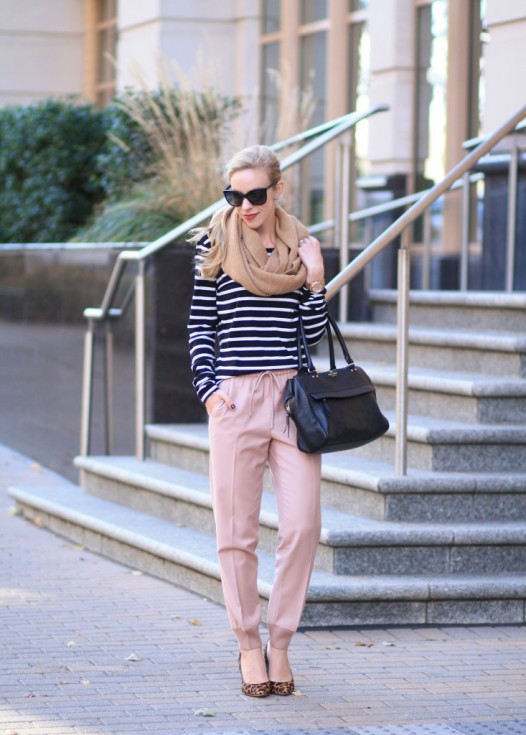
[(257, 268)]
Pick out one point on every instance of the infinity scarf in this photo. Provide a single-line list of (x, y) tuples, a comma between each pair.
[(247, 262)]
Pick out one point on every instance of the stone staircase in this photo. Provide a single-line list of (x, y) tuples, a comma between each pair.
[(445, 544)]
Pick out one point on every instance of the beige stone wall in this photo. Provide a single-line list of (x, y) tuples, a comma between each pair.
[(205, 39), (41, 49), (505, 61), (392, 78), (42, 53)]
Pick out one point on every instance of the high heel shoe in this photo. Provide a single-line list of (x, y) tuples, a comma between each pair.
[(254, 690), (281, 688)]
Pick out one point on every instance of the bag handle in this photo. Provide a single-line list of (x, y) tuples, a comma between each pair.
[(304, 348)]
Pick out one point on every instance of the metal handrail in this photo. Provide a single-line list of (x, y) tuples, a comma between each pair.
[(396, 204), (107, 312), (29, 247), (432, 194), (400, 227), (325, 134), (473, 142), (385, 207)]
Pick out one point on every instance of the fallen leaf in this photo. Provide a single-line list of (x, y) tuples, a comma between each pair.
[(133, 657), (365, 644), (195, 622), (298, 693), (85, 681), (204, 713)]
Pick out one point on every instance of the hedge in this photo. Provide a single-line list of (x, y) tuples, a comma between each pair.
[(49, 175), (59, 159)]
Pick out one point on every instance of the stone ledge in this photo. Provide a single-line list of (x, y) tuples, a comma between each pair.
[(122, 526), (473, 299)]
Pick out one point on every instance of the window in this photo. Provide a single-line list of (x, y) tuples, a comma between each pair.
[(313, 74), (359, 75), (101, 41), (479, 36), (314, 55), (358, 5), (270, 69), (430, 108), (313, 10), (271, 16), (270, 102)]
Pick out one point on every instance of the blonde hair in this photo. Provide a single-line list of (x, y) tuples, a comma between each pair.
[(256, 156)]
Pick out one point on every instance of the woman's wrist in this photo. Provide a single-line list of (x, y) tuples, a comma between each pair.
[(315, 274), (315, 281)]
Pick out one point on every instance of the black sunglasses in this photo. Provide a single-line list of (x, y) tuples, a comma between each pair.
[(255, 196)]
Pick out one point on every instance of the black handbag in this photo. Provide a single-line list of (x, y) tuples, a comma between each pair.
[(332, 410)]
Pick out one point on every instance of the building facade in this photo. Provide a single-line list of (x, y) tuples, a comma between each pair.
[(449, 70)]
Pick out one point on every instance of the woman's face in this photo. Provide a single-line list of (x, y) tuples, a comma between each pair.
[(255, 216)]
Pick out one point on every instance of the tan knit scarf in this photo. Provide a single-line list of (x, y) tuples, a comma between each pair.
[(247, 262)]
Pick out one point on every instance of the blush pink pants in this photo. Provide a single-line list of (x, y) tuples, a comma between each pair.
[(242, 442)]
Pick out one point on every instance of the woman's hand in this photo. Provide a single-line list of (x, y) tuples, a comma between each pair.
[(219, 396), (309, 250)]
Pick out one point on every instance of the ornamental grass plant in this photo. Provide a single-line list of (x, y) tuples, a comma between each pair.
[(164, 159)]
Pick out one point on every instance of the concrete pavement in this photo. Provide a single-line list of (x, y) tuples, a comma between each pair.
[(90, 647)]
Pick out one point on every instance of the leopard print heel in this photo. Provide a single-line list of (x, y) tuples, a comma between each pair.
[(254, 690), (280, 688)]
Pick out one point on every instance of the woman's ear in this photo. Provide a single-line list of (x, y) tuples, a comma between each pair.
[(279, 188)]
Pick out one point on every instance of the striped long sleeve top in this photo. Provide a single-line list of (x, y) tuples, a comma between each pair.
[(233, 332)]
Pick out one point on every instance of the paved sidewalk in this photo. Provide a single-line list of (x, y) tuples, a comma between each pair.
[(90, 647)]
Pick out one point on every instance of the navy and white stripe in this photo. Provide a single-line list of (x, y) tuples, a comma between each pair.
[(251, 333)]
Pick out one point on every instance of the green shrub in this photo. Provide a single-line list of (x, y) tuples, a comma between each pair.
[(49, 178), (130, 172), (127, 157)]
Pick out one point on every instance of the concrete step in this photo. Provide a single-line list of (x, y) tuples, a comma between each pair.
[(471, 310), (433, 445), (454, 446), (188, 558), (348, 544), (491, 354), (370, 488), (447, 394)]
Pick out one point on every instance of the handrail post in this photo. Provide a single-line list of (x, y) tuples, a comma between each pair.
[(140, 359), (87, 390), (466, 217), (402, 356), (345, 146), (336, 222), (427, 247), (108, 385), (512, 214)]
